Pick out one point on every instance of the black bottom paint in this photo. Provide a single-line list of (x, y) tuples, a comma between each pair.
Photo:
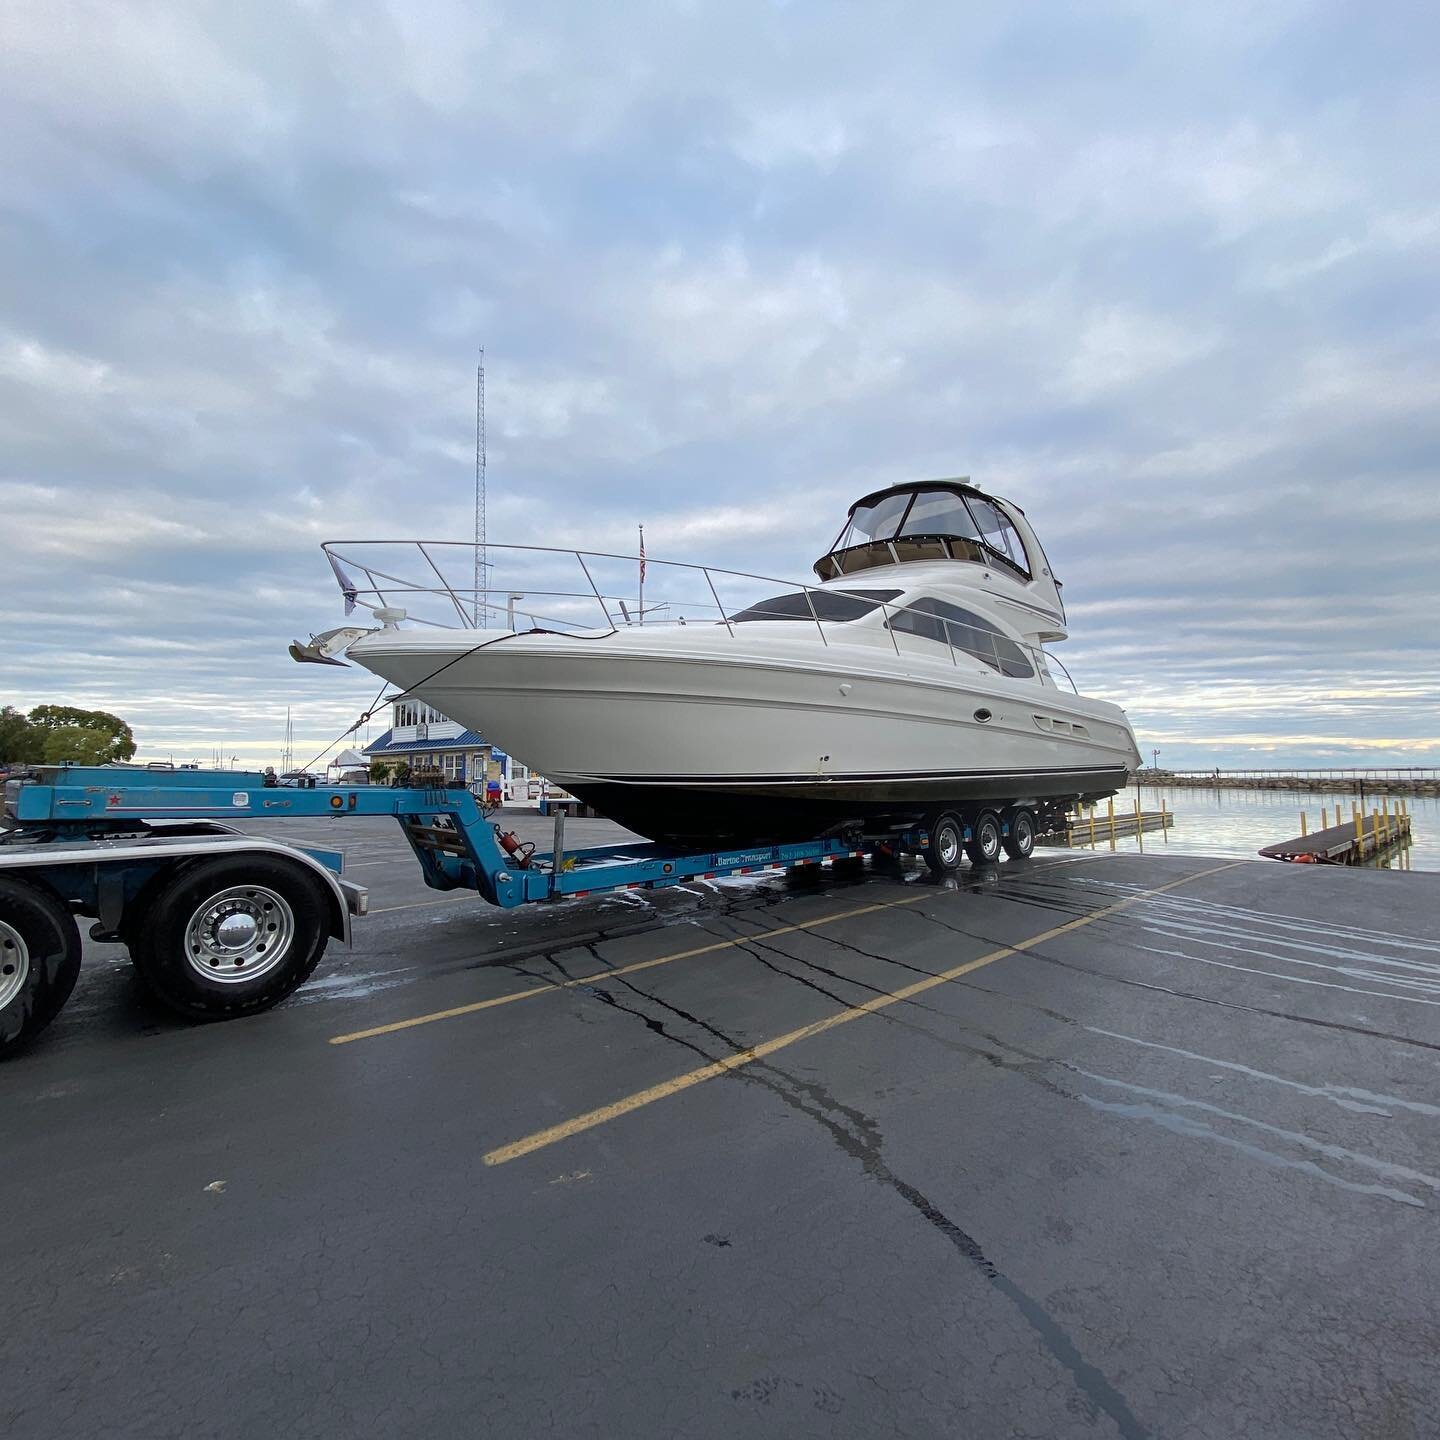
[(685, 812)]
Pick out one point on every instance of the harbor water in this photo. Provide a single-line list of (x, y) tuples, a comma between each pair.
[(1238, 822)]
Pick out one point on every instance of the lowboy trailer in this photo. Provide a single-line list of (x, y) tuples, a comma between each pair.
[(220, 923)]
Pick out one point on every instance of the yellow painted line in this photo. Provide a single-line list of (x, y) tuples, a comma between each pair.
[(551, 988), (591, 1118)]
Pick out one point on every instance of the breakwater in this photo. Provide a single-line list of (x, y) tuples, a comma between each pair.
[(1399, 781)]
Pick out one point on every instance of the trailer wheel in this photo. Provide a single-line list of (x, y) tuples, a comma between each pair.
[(983, 848), (1020, 842), (39, 961), (947, 843), (231, 936)]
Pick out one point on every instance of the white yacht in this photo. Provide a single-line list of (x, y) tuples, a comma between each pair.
[(908, 686)]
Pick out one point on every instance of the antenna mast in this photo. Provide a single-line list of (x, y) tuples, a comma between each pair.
[(479, 488)]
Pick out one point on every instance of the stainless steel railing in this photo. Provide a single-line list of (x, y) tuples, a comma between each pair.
[(465, 606)]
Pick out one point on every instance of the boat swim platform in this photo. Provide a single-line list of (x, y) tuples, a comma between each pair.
[(1091, 1145)]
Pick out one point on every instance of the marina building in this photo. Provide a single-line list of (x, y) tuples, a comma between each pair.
[(424, 739)]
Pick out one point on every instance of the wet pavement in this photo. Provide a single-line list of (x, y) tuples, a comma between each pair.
[(1089, 1146)]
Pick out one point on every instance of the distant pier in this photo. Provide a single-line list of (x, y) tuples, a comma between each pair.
[(1407, 780)]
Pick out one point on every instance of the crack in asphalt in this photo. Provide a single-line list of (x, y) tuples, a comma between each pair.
[(859, 1136)]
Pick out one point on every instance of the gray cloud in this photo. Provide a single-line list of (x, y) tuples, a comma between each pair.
[(1165, 277)]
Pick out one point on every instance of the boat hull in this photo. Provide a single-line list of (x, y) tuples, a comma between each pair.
[(762, 811), (720, 744)]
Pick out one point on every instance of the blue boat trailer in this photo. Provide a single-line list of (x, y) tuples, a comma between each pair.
[(221, 923)]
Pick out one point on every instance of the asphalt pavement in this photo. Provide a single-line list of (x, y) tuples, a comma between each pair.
[(1084, 1146)]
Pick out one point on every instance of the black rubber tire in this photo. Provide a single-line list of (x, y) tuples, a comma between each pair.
[(158, 941), (983, 847), (947, 843), (1020, 842), (52, 960)]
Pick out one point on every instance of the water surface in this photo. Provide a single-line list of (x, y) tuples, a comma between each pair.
[(1238, 822)]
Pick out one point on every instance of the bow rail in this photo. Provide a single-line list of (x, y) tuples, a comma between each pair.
[(617, 591)]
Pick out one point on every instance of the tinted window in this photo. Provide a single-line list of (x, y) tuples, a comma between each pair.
[(828, 605), (949, 624)]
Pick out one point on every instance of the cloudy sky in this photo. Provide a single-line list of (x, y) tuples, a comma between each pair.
[(1168, 275)]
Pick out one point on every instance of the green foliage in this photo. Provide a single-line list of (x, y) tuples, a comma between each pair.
[(76, 745), (20, 741), (379, 771), (54, 734)]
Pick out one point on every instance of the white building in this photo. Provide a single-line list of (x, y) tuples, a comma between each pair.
[(422, 738)]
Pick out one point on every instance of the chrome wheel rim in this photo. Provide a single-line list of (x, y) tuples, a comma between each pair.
[(989, 841), (948, 846), (239, 934), (14, 963), (1024, 836)]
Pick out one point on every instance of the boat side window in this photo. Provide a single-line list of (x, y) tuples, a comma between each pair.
[(948, 624), (828, 605), (998, 533)]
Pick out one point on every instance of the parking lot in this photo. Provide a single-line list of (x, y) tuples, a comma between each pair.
[(1089, 1145)]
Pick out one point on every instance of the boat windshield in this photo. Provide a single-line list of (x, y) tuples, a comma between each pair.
[(921, 524), (880, 521), (813, 605)]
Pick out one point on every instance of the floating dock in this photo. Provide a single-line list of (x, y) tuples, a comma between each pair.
[(1093, 827), (1355, 841)]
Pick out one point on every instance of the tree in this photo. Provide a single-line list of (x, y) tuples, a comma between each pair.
[(20, 741), (86, 737)]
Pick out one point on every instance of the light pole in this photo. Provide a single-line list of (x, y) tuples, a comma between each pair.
[(1154, 759), (510, 610)]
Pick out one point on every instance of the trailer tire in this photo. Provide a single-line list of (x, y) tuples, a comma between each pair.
[(947, 843), (983, 848), (39, 961), (231, 936), (1020, 842)]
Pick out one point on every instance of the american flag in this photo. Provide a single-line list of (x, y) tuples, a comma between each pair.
[(347, 585), (642, 554)]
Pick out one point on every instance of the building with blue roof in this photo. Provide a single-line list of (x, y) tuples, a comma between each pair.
[(422, 738)]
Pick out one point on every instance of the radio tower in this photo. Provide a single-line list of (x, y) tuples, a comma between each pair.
[(479, 488)]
